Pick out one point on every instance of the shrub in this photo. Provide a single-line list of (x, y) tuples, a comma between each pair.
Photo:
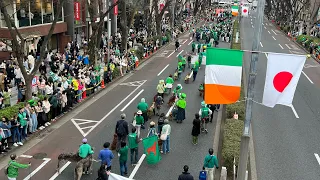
[(11, 111), (139, 52), (231, 142), (115, 72)]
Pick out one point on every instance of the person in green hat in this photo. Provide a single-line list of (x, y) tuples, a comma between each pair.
[(204, 113), (180, 69), (181, 105), (184, 62), (169, 83), (177, 90)]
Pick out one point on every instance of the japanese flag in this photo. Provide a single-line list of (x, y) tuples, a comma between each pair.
[(113, 176), (283, 73), (245, 11)]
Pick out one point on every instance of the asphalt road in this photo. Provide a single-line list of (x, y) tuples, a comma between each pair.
[(96, 121), (286, 139)]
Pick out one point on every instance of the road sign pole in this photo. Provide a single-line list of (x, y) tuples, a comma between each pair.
[(250, 92)]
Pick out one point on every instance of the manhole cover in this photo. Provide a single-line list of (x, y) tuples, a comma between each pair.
[(39, 155)]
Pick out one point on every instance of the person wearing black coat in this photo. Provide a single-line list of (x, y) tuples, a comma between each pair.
[(212, 107), (196, 129), (185, 174)]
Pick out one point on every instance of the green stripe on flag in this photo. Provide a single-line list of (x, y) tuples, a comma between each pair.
[(227, 57), (235, 7)]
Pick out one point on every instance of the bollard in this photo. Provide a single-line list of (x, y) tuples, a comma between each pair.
[(84, 94), (223, 173), (102, 84)]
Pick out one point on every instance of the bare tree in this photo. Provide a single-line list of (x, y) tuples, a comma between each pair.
[(18, 44), (313, 12)]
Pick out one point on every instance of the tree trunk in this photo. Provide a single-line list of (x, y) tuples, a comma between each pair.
[(158, 25), (123, 25), (196, 8), (28, 92)]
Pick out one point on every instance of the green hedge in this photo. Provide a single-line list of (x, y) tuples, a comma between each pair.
[(11, 111), (231, 143)]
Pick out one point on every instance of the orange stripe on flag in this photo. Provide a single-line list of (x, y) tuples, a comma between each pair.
[(220, 94), (235, 13)]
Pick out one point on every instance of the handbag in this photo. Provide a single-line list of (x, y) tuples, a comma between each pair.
[(207, 162), (164, 136), (134, 122)]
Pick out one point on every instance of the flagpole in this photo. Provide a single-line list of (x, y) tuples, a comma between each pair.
[(244, 146)]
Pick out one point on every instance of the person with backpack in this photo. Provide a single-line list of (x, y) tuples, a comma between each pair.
[(122, 130), (12, 170), (204, 113), (185, 174), (210, 161)]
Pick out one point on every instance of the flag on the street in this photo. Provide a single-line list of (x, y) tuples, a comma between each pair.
[(113, 176), (245, 11), (223, 76), (151, 149), (283, 73), (235, 10)]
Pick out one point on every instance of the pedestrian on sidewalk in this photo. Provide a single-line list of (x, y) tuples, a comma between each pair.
[(196, 129), (13, 167), (122, 130), (106, 156), (210, 161), (185, 174), (123, 157)]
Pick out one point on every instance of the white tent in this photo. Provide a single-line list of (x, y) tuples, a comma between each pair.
[(113, 176)]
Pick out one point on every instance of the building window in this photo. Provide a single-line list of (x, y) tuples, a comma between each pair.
[(47, 11), (55, 8), (23, 13), (35, 11), (10, 11)]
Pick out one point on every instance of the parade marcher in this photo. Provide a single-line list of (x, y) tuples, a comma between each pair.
[(143, 107), (180, 69), (196, 129), (123, 157), (195, 69), (181, 105), (139, 122), (12, 170), (106, 156), (161, 88), (177, 90), (133, 140), (169, 83), (161, 122), (212, 107), (122, 130), (193, 45), (152, 130), (85, 149), (204, 113), (189, 60), (210, 161), (185, 174), (177, 44), (165, 137)]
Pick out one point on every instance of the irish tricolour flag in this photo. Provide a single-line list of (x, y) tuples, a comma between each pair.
[(235, 10), (223, 76)]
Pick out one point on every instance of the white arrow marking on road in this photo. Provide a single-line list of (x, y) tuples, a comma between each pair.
[(273, 32), (274, 38), (307, 77), (280, 46), (294, 111), (137, 166), (135, 97), (163, 70), (25, 156), (46, 160), (261, 44), (170, 54), (180, 53), (83, 121), (60, 170), (317, 157), (288, 46)]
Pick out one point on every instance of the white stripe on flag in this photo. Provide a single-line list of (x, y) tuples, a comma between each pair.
[(223, 75)]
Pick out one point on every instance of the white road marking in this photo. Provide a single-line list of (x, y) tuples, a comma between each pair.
[(60, 170), (264, 27), (135, 97), (261, 44), (252, 26), (294, 111), (163, 70), (251, 22), (307, 77), (82, 121), (273, 32), (168, 113), (190, 42), (170, 54), (26, 156), (269, 32), (46, 160), (274, 38), (185, 41), (280, 46), (262, 24), (137, 166), (288, 46), (317, 157), (266, 55), (180, 53)]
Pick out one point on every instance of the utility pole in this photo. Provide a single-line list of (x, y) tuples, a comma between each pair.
[(173, 15), (244, 147), (109, 32)]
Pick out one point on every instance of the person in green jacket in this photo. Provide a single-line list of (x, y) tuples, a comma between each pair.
[(199, 47), (181, 105), (193, 45), (177, 90), (180, 69), (13, 167), (85, 149), (143, 107), (123, 153), (184, 62), (210, 161), (169, 83), (200, 58), (139, 121), (195, 69), (22, 118), (133, 140)]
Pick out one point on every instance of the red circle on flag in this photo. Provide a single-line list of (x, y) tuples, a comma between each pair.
[(281, 80), (245, 10)]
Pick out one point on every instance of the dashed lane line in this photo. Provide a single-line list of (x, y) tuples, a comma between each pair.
[(163, 70), (280, 46)]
